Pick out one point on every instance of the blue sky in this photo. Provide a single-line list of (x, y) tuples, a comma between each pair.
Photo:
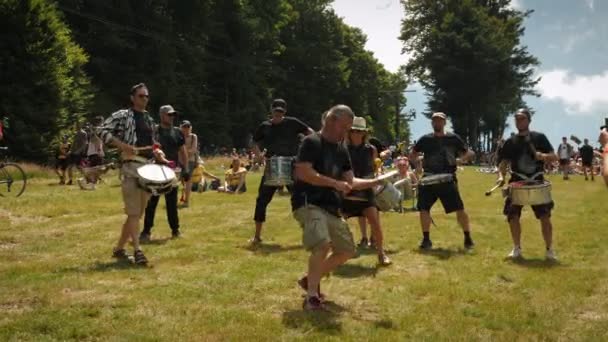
[(570, 38)]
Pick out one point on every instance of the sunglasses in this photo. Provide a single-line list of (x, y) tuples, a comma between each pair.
[(171, 114), (356, 131), (186, 126), (141, 96)]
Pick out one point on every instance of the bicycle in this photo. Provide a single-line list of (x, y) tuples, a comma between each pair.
[(12, 178)]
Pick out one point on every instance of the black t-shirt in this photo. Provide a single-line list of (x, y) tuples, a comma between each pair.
[(328, 159), (362, 159), (518, 150), (171, 139), (281, 139), (586, 152), (143, 132), (440, 152)]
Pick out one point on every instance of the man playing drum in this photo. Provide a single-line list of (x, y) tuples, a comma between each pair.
[(280, 137), (129, 129), (527, 152), (441, 150), (323, 175), (362, 203)]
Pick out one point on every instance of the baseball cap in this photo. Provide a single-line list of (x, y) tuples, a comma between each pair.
[(439, 115), (185, 123), (523, 111), (166, 109), (279, 105)]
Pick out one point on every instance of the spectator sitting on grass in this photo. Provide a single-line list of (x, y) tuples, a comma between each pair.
[(199, 173), (235, 178)]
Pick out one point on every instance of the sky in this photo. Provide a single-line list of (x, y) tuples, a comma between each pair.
[(569, 37)]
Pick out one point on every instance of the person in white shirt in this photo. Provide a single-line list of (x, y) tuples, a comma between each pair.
[(564, 152)]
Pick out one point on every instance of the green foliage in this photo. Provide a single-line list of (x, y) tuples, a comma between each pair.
[(467, 54), (43, 87)]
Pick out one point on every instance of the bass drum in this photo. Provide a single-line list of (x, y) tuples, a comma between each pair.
[(279, 171), (387, 197)]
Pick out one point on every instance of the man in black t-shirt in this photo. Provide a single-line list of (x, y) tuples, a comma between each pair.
[(527, 153), (586, 152), (441, 152), (172, 143), (280, 136), (324, 174)]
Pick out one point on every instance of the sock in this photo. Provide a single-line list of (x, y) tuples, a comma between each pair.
[(467, 235), (426, 235)]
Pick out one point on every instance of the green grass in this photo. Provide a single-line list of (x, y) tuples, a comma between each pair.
[(58, 282)]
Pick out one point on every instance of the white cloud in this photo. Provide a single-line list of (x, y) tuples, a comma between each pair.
[(580, 94), (517, 4)]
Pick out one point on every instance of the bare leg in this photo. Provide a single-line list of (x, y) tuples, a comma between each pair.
[(363, 227), (547, 228), (315, 268), (585, 172), (463, 220), (335, 259), (130, 229), (372, 215), (515, 226), (425, 221), (591, 170), (187, 191), (258, 230)]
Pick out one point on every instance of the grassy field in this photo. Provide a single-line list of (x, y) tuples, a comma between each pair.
[(58, 281)]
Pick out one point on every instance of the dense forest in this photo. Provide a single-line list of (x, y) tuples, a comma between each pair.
[(219, 62)]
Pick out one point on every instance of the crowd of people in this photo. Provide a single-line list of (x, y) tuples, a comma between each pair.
[(336, 174)]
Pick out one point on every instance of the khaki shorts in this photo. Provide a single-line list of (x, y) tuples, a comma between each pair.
[(134, 198), (320, 227)]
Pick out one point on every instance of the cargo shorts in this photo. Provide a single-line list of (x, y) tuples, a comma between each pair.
[(135, 198), (320, 227)]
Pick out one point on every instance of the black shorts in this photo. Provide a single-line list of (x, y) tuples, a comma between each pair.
[(75, 159), (563, 162), (233, 188), (447, 193), (588, 163), (62, 163), (514, 211), (355, 208)]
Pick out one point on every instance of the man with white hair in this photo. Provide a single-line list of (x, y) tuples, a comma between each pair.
[(324, 174)]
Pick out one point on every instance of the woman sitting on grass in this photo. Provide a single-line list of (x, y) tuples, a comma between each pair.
[(235, 179)]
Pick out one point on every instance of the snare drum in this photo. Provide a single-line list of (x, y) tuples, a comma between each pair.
[(279, 171), (387, 197), (436, 179), (156, 179), (405, 186), (523, 193)]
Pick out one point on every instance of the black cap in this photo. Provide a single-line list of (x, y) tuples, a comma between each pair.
[(523, 111), (279, 105)]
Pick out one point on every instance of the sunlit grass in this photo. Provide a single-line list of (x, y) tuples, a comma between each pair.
[(58, 282)]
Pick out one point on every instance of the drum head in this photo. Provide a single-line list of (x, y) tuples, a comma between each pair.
[(156, 173)]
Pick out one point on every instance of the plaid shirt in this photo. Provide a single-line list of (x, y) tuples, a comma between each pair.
[(121, 125)]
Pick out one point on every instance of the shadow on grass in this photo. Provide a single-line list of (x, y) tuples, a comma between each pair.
[(156, 242), (323, 321), (355, 271), (99, 266), (534, 263), (442, 253), (267, 249)]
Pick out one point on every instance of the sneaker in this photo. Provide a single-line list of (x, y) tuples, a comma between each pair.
[(550, 255), (312, 304), (364, 243), (303, 282), (255, 240), (384, 260), (144, 237), (120, 254), (426, 245), (176, 234), (140, 258), (468, 243), (515, 253)]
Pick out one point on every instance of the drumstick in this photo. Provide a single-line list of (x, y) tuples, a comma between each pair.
[(489, 192)]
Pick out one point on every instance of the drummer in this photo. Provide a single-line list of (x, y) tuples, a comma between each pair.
[(361, 203), (172, 143), (280, 137), (527, 153), (128, 129), (441, 150)]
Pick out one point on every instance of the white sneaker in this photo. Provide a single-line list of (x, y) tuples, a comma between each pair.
[(550, 255), (515, 253)]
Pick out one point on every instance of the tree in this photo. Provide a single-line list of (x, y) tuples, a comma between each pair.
[(468, 57), (43, 87)]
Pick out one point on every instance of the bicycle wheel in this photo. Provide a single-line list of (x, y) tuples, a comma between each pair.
[(12, 180)]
